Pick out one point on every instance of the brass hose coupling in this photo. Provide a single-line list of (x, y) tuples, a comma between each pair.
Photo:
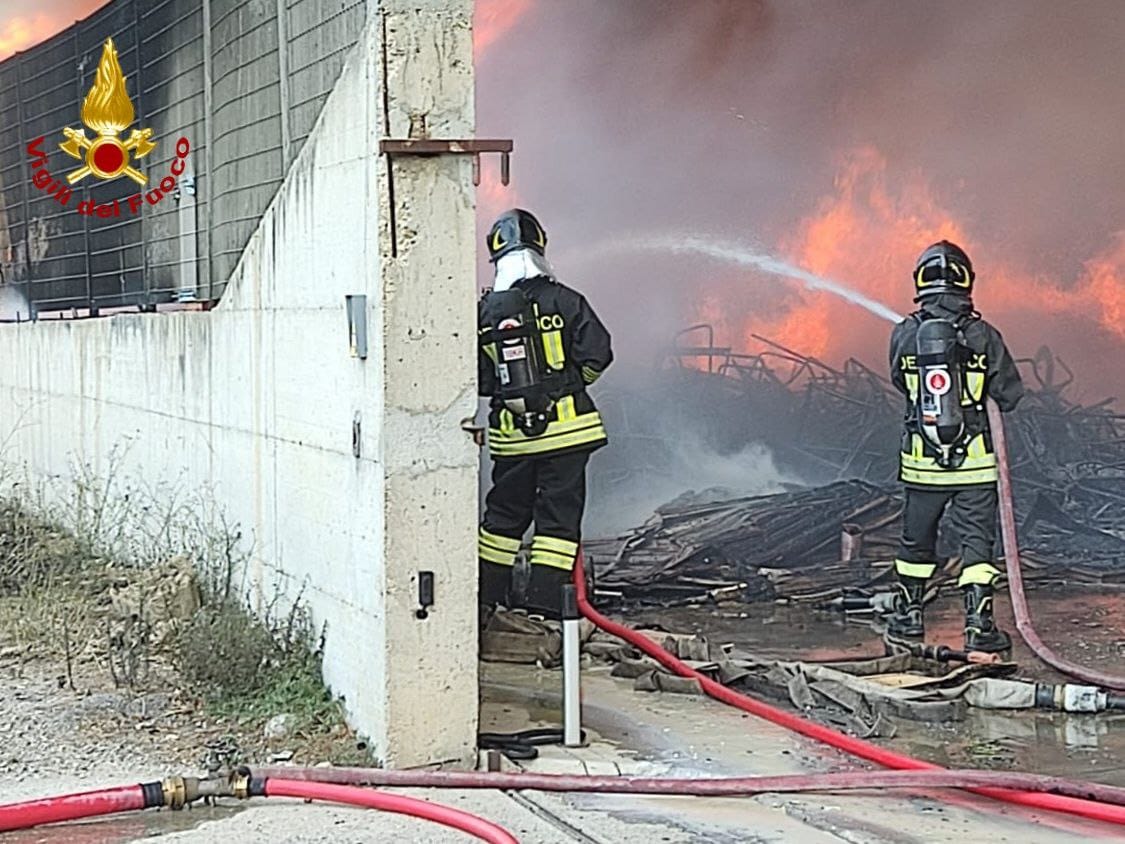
[(175, 792), (179, 792), (240, 783)]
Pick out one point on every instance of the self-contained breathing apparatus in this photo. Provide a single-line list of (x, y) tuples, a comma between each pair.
[(942, 353), (522, 378)]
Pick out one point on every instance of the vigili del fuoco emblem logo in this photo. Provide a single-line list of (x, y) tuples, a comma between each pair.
[(107, 110)]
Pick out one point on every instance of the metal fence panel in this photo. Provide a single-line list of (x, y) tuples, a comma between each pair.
[(232, 83)]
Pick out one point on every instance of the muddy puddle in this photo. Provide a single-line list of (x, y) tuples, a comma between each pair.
[(1086, 627)]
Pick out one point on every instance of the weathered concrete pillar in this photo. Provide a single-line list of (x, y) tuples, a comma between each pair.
[(427, 251)]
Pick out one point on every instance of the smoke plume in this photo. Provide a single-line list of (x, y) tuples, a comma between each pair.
[(840, 137), (693, 468)]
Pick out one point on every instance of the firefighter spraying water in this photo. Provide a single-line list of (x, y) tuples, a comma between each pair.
[(947, 361)]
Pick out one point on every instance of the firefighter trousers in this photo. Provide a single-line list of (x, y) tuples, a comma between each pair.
[(972, 517), (547, 490)]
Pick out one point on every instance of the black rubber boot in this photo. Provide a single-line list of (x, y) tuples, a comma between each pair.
[(494, 582), (544, 592), (907, 623), (981, 632)]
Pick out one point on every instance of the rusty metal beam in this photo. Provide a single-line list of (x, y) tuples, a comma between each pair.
[(440, 146)]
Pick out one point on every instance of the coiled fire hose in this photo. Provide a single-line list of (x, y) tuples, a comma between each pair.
[(1015, 572)]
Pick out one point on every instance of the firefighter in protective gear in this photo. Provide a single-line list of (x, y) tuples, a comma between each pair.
[(541, 345), (947, 362)]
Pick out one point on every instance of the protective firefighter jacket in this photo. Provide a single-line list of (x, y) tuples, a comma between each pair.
[(576, 351), (988, 370)]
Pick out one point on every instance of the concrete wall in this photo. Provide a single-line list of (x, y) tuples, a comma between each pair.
[(258, 398)]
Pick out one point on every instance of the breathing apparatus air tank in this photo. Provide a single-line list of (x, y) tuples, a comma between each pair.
[(940, 384), (519, 369)]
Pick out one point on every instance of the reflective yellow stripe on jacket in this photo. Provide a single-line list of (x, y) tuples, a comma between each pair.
[(568, 431), (979, 466)]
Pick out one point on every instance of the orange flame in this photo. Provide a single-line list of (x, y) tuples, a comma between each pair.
[(867, 235), (107, 109), (492, 19), (21, 33), (1104, 282)]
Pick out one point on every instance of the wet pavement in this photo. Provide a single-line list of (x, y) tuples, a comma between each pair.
[(1084, 626), (127, 827), (654, 734)]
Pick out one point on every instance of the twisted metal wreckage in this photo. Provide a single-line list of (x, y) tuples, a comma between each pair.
[(839, 427)]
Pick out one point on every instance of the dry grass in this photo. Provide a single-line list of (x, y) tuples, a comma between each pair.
[(127, 578)]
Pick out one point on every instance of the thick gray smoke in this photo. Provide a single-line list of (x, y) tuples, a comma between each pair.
[(693, 469), (730, 119), (723, 127), (12, 304)]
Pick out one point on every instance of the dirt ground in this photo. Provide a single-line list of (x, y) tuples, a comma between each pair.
[(48, 727)]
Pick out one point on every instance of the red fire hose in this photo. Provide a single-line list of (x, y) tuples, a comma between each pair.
[(1088, 800), (356, 796), (72, 807), (1015, 573), (826, 735)]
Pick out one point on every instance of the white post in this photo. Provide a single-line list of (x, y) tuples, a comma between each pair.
[(572, 687)]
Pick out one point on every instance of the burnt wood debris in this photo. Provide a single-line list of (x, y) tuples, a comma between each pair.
[(838, 536)]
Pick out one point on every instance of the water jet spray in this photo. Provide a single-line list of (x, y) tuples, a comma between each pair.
[(737, 253)]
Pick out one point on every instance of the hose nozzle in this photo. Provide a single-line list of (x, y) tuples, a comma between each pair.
[(941, 653)]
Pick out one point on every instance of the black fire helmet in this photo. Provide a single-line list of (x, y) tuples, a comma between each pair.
[(515, 229), (943, 268)]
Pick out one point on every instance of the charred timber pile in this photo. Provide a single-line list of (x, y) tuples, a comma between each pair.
[(814, 545), (754, 548), (1068, 466)]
